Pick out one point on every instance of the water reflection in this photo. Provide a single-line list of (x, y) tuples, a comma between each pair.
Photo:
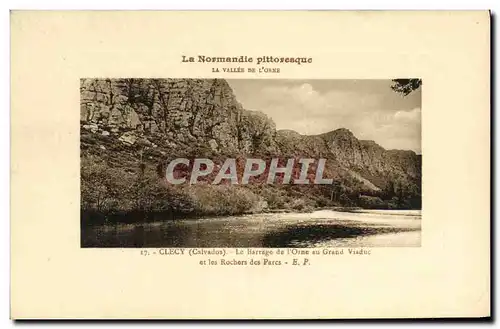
[(311, 235), (264, 230)]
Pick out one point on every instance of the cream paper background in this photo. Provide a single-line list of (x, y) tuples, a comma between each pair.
[(52, 277)]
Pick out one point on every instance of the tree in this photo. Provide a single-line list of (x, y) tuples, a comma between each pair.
[(335, 191), (400, 195), (406, 86), (389, 191), (97, 185)]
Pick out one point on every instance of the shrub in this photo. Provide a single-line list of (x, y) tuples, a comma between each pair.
[(223, 199), (276, 198), (371, 202), (302, 204)]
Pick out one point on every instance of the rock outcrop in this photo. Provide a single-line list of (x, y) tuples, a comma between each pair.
[(177, 115), (184, 111)]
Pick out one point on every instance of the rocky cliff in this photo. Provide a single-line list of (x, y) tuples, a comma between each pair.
[(180, 111), (123, 119)]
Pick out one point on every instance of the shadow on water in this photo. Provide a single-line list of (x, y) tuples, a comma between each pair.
[(264, 231), (135, 236), (297, 235)]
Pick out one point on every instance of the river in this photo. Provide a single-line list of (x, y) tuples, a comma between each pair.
[(323, 228)]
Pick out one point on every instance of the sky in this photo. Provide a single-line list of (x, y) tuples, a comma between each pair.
[(369, 108)]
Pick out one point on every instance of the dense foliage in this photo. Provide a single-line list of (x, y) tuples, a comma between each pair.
[(406, 86), (140, 193)]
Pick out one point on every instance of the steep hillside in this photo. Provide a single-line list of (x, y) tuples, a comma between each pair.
[(130, 126), (180, 111)]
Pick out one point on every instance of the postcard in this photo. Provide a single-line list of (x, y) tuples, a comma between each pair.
[(250, 165)]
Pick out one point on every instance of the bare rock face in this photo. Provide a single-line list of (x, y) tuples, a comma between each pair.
[(188, 111), (367, 161), (128, 138), (351, 152), (255, 131), (292, 143), (373, 161)]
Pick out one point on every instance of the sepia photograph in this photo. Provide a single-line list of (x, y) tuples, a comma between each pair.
[(256, 163), (250, 165)]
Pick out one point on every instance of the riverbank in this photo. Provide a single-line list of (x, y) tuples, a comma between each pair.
[(319, 228), (90, 217)]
